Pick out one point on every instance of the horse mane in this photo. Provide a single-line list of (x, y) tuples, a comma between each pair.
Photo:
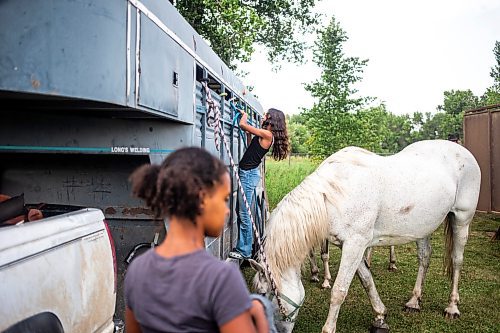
[(300, 221)]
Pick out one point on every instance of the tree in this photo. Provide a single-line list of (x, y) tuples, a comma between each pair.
[(331, 120), (233, 27), (495, 70), (455, 103), (381, 131), (299, 134), (492, 94)]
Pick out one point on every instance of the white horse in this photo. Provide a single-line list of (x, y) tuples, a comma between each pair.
[(358, 199)]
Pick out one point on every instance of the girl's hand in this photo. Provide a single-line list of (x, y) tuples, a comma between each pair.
[(244, 118), (262, 133)]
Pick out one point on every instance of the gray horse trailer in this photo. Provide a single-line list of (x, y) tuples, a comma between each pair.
[(90, 90)]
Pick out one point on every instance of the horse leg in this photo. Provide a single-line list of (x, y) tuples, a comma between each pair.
[(424, 251), (314, 267), (366, 279), (352, 255), (392, 260), (325, 256), (460, 232), (368, 257)]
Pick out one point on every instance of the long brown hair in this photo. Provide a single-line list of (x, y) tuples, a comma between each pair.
[(281, 146)]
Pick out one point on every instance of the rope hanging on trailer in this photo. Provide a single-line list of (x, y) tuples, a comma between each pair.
[(213, 120)]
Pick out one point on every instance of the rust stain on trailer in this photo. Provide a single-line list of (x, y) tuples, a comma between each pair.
[(35, 83), (133, 211), (110, 211)]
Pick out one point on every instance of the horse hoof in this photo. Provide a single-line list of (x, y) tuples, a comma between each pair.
[(374, 329), (326, 285), (451, 315), (408, 309), (379, 326), (314, 279), (392, 269)]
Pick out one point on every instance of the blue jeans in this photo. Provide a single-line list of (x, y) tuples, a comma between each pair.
[(249, 180), (269, 310)]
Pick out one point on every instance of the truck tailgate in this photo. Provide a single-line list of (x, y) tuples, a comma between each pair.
[(62, 265)]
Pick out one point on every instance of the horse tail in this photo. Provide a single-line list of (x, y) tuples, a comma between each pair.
[(448, 249)]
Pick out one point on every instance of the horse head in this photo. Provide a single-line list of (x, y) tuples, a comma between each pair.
[(291, 295)]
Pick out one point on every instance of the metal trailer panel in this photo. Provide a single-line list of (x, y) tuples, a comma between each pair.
[(482, 138), (476, 139), (167, 72), (64, 48), (167, 14), (204, 136), (130, 54), (495, 160)]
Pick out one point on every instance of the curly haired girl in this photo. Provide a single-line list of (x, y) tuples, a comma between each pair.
[(178, 286), (272, 134)]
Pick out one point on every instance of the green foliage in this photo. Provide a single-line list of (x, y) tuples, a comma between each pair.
[(492, 94), (439, 125), (495, 70), (458, 101), (449, 118), (233, 27), (298, 133), (331, 120), (381, 131)]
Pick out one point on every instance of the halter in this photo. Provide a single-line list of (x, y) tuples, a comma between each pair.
[(292, 316), (213, 120)]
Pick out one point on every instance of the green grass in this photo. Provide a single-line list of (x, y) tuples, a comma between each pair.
[(479, 284), (284, 176)]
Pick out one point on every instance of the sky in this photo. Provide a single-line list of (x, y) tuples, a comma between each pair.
[(416, 51)]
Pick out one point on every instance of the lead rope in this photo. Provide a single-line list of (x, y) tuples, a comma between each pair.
[(213, 120)]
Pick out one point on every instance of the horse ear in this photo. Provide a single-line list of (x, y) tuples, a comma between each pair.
[(256, 266)]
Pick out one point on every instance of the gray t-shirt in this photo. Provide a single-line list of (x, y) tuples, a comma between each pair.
[(190, 293)]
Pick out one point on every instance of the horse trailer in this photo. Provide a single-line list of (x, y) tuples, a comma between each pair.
[(90, 90)]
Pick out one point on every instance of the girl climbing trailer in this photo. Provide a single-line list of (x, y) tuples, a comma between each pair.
[(90, 90)]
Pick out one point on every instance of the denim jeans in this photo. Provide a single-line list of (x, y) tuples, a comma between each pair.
[(269, 310), (249, 180)]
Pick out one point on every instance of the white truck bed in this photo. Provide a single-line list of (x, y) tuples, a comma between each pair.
[(61, 265)]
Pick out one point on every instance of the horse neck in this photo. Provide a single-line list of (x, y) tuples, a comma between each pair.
[(298, 223), (291, 283)]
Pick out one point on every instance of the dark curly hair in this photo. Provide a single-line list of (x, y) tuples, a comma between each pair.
[(281, 146), (173, 188)]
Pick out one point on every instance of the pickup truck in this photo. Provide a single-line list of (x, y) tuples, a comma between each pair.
[(58, 274)]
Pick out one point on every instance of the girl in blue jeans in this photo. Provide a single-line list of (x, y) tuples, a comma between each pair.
[(272, 134)]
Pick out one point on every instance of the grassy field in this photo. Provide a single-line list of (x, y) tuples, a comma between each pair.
[(284, 176), (479, 284)]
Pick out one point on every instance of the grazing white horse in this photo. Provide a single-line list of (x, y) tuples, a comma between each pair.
[(358, 199)]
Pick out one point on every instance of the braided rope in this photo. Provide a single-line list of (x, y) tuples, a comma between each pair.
[(213, 113)]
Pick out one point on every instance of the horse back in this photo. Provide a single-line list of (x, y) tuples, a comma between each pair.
[(405, 196)]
